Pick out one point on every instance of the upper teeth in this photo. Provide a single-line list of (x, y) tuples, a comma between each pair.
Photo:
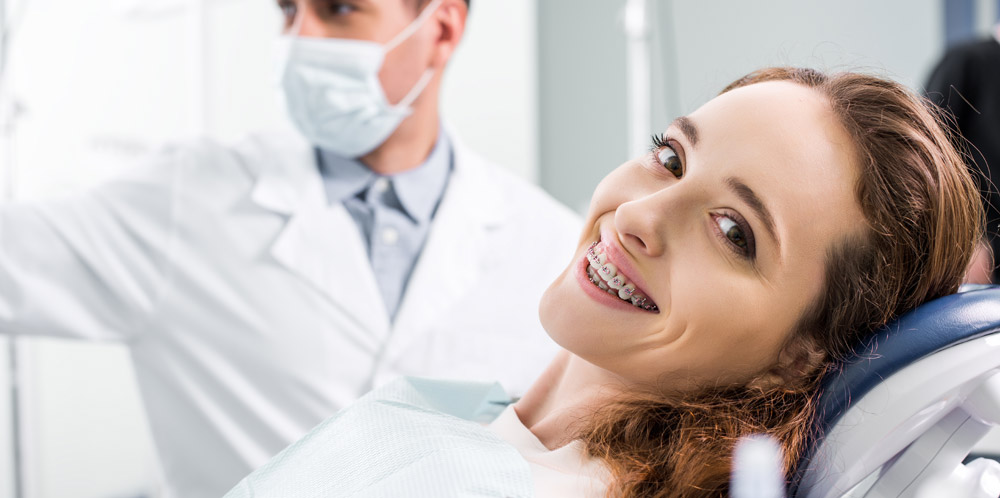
[(605, 275), (608, 270)]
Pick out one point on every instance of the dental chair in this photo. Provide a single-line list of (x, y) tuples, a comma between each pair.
[(901, 415)]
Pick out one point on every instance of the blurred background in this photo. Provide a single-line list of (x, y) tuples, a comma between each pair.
[(558, 91)]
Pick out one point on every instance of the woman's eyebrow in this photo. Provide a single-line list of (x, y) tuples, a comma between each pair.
[(688, 129), (747, 195)]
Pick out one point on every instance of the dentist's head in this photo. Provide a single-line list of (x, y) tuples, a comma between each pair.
[(361, 77)]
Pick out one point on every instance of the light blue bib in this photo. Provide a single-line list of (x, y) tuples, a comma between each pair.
[(411, 438)]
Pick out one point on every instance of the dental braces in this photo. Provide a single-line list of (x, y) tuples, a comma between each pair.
[(646, 306), (638, 301)]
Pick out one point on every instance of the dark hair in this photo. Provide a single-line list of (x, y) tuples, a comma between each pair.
[(923, 217)]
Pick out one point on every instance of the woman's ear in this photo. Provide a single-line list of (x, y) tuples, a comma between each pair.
[(799, 358)]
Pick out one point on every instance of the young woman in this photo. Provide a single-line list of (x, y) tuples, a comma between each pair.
[(716, 279)]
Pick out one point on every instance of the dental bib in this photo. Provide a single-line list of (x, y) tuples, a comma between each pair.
[(413, 437)]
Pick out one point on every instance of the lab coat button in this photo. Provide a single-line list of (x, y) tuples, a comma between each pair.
[(381, 184), (390, 236)]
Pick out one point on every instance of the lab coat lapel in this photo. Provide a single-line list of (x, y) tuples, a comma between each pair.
[(319, 243), (323, 246), (453, 258)]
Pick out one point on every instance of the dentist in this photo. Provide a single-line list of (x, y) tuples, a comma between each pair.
[(261, 287)]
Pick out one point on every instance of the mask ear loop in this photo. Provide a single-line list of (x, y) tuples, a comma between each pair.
[(414, 26), (416, 90)]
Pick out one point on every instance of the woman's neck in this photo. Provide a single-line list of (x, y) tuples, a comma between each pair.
[(564, 395)]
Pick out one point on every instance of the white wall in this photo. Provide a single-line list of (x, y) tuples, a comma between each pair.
[(104, 83), (491, 90), (582, 121), (716, 42), (701, 46)]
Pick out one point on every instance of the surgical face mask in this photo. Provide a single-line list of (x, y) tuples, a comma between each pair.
[(332, 91)]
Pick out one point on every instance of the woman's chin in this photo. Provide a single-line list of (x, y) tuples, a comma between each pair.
[(570, 317), (558, 308)]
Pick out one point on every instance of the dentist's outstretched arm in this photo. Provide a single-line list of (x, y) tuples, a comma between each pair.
[(90, 266)]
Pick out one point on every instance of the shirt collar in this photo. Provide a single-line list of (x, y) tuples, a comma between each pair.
[(343, 178), (419, 190)]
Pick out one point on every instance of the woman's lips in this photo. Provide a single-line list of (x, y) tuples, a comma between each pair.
[(604, 276)]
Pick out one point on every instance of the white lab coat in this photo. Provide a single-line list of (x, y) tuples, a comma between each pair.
[(248, 303)]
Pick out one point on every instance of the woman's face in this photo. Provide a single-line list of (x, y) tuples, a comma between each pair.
[(718, 239)]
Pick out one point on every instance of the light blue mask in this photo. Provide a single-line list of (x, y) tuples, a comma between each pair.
[(333, 94)]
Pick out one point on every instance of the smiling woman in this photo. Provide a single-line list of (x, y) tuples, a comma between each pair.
[(716, 279), (768, 230)]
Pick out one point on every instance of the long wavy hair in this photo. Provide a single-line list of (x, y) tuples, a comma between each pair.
[(923, 217)]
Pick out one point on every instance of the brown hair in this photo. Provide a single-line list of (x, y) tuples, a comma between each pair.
[(923, 217)]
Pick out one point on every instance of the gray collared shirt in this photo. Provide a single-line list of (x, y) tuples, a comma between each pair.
[(393, 213)]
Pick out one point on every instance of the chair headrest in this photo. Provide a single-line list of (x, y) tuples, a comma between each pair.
[(932, 327), (972, 313)]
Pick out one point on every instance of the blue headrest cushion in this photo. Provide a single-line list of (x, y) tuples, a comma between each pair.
[(939, 324), (931, 327)]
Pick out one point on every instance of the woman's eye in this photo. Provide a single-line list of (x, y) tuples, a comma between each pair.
[(669, 160), (734, 233)]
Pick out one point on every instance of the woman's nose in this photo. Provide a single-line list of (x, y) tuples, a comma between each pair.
[(642, 226)]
